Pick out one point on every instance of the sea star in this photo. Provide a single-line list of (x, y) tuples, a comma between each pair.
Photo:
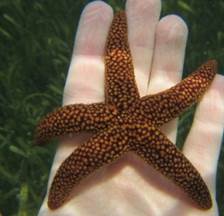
[(125, 122)]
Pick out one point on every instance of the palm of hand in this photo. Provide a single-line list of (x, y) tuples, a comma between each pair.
[(128, 187)]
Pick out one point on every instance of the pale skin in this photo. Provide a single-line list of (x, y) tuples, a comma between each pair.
[(129, 186)]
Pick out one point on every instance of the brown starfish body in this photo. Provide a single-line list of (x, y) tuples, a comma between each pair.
[(125, 122)]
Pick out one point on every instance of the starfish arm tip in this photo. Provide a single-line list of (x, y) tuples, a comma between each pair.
[(155, 148), (100, 150), (214, 64), (74, 118)]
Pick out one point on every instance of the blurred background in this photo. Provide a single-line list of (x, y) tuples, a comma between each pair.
[(36, 40)]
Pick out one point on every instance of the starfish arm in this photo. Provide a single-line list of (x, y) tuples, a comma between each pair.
[(153, 147), (74, 118), (120, 88), (162, 107), (101, 149)]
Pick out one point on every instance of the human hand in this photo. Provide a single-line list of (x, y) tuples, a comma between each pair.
[(129, 186)]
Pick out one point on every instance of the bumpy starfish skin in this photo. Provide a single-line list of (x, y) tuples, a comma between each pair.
[(158, 151), (72, 119), (126, 122), (166, 105), (99, 150), (120, 87)]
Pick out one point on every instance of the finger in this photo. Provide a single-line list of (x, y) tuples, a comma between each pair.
[(85, 78), (142, 19), (168, 59), (203, 142)]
